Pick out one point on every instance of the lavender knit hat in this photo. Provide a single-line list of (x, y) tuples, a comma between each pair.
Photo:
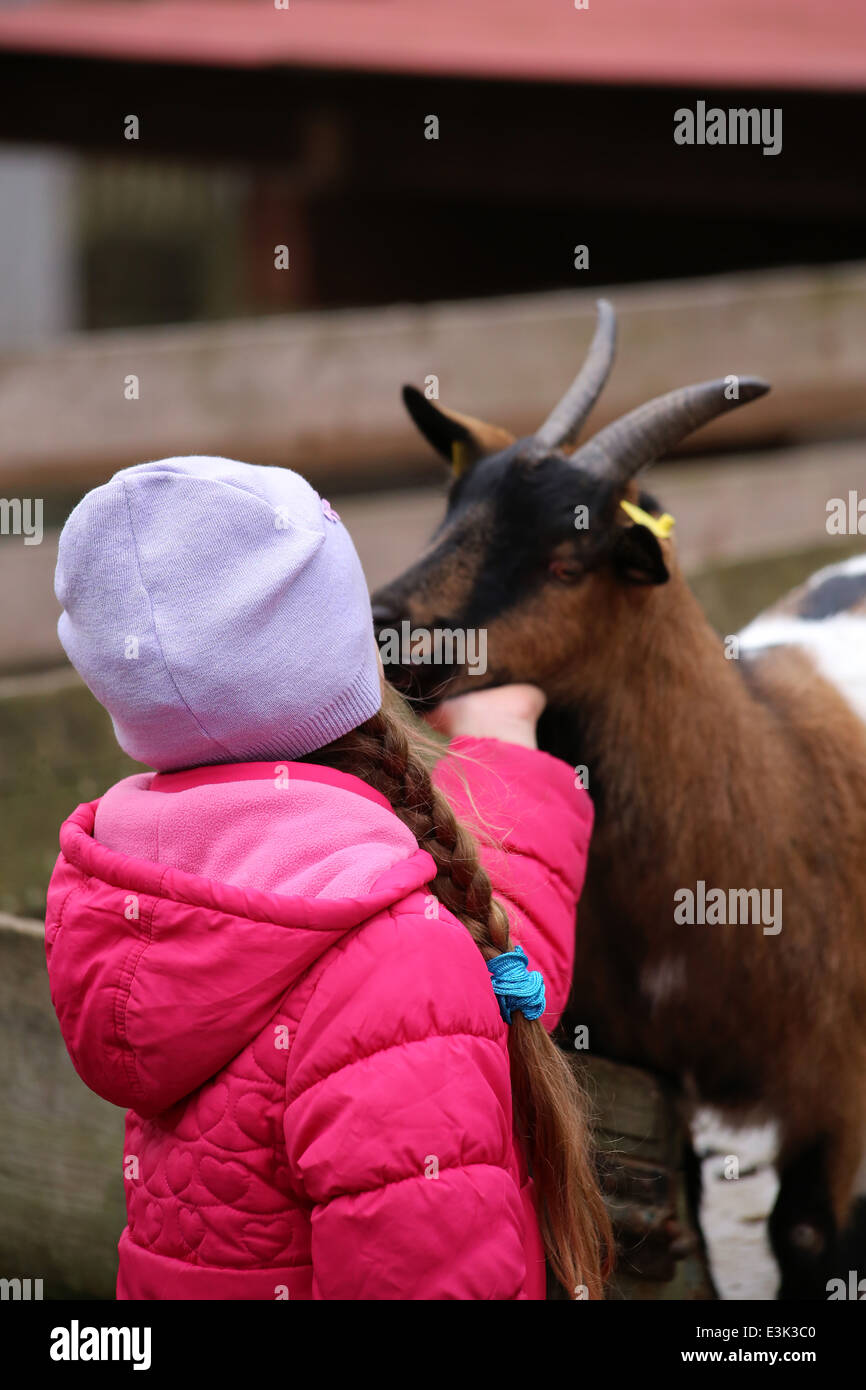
[(218, 611)]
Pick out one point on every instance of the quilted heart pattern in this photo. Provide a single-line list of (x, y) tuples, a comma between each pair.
[(212, 1185)]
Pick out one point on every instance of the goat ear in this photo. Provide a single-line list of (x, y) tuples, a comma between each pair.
[(459, 438), (637, 556)]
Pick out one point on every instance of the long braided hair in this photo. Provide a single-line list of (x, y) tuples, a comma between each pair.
[(550, 1109)]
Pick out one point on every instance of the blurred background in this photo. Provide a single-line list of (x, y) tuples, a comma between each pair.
[(226, 229)]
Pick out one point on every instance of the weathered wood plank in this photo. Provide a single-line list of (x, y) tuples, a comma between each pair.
[(57, 749), (61, 1190), (728, 508), (319, 392)]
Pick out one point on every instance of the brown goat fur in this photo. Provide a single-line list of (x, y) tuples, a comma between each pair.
[(744, 773)]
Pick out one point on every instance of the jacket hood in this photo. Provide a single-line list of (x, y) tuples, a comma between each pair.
[(165, 963)]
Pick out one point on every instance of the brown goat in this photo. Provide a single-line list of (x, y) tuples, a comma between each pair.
[(738, 774)]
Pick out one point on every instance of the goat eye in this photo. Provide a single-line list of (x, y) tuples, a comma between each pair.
[(563, 570)]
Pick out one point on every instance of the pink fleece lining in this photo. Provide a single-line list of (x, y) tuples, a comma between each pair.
[(214, 774), (79, 849), (261, 826)]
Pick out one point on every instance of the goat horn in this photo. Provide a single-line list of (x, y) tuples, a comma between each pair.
[(563, 424), (622, 448)]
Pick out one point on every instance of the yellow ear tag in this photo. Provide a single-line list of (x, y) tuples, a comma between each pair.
[(459, 456), (660, 526)]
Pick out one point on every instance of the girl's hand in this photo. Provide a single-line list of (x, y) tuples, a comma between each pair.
[(509, 712)]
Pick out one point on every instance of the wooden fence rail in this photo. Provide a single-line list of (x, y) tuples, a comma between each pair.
[(319, 392), (61, 1187), (728, 508)]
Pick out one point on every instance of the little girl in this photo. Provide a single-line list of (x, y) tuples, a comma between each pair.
[(280, 951)]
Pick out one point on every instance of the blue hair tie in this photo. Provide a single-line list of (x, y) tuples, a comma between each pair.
[(515, 986)]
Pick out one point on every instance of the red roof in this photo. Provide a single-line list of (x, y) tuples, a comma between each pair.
[(778, 43)]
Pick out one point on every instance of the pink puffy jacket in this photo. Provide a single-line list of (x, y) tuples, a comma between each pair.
[(249, 958)]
